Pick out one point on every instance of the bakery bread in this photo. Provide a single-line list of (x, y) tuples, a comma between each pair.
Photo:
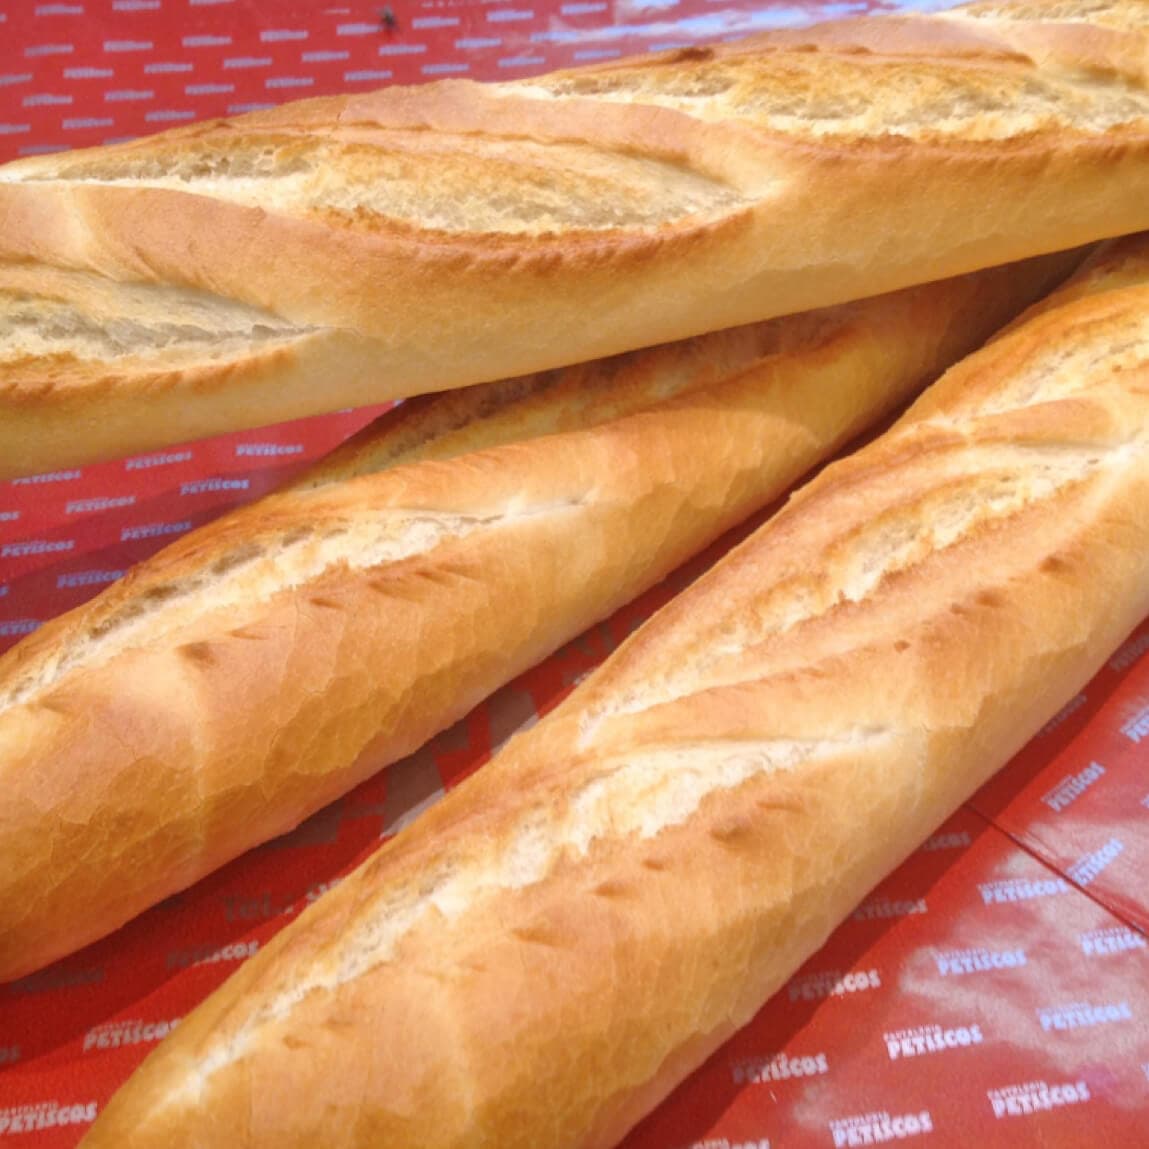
[(348, 250), (265, 664), (538, 959)]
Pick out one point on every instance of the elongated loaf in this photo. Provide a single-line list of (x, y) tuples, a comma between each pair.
[(347, 250), (263, 665), (542, 956)]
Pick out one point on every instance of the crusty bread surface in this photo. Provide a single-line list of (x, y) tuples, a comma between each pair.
[(537, 960), (263, 665), (348, 250)]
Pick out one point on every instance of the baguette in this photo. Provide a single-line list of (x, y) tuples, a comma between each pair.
[(537, 960), (263, 665), (341, 251)]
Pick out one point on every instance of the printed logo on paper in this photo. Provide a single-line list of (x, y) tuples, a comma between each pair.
[(1136, 728), (1090, 868), (1128, 654), (726, 1143), (1066, 712), (43, 1115), (86, 506), (317, 889), (954, 963), (203, 486), (258, 907), (264, 907), (1112, 940), (163, 459), (1035, 1097), (925, 1039), (36, 547), (209, 955), (87, 578), (955, 840), (113, 1034), (778, 1067), (833, 983), (268, 450), (47, 477), (1021, 889), (885, 908), (1082, 1015), (877, 1128), (18, 626), (1072, 786), (153, 531)]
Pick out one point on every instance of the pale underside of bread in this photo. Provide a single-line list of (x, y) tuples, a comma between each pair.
[(538, 959), (263, 665), (347, 250)]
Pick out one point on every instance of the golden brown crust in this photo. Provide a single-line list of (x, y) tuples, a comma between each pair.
[(545, 953), (579, 214), (263, 665)]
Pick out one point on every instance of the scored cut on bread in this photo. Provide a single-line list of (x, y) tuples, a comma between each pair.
[(348, 250), (263, 665), (541, 957)]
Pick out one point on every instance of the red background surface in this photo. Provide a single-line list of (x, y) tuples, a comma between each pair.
[(993, 991)]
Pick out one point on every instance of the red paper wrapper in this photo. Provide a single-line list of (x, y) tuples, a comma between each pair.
[(994, 991)]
